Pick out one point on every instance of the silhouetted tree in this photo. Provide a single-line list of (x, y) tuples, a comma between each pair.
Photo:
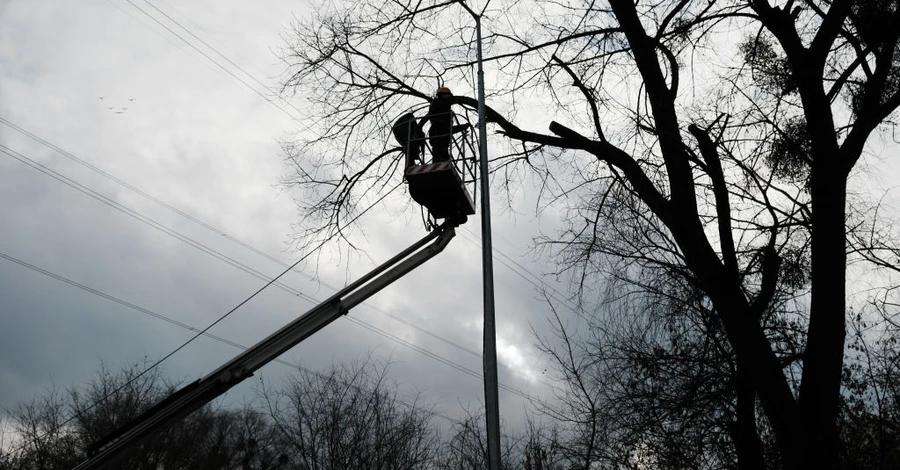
[(55, 429), (533, 448), (730, 128), (350, 418)]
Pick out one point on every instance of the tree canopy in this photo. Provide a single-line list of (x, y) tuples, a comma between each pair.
[(700, 144)]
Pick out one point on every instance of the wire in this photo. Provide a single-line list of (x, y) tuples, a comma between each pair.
[(124, 303), (167, 319), (438, 358), (536, 281), (213, 229), (207, 56), (216, 254), (22, 158), (156, 315), (144, 219), (200, 332), (138, 216), (186, 29), (121, 182), (151, 222)]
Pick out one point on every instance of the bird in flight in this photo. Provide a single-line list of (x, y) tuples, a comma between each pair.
[(113, 108)]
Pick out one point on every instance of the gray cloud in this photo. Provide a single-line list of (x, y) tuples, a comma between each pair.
[(202, 142)]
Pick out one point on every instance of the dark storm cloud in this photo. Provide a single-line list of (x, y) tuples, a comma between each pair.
[(205, 144)]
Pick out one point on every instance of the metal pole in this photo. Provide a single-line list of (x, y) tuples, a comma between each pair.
[(489, 355), (489, 352)]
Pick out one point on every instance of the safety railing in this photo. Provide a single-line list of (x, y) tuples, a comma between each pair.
[(462, 151)]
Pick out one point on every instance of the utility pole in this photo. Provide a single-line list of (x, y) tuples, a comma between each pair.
[(489, 352)]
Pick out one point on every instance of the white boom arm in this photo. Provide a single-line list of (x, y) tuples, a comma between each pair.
[(193, 396)]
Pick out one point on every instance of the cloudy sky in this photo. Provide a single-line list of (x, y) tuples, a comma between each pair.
[(118, 137), (140, 158)]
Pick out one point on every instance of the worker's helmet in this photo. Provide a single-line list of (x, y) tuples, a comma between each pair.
[(444, 90)]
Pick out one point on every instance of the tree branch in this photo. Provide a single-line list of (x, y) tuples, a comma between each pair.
[(616, 157), (720, 191), (830, 28), (586, 92)]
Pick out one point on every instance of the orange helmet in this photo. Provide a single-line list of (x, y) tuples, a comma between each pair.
[(444, 89)]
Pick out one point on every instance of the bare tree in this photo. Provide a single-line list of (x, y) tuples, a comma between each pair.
[(733, 125), (55, 430), (870, 412), (7, 443), (649, 379), (533, 448), (43, 442), (350, 418)]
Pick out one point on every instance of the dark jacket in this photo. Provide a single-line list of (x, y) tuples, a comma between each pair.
[(441, 116), (406, 129)]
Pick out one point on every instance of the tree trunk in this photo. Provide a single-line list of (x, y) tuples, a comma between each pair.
[(746, 435), (757, 363), (823, 359)]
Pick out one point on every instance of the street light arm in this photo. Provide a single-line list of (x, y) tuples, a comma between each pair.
[(466, 6)]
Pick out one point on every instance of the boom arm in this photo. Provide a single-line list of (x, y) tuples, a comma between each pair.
[(206, 389)]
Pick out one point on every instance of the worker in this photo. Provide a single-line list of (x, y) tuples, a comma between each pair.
[(410, 137), (442, 128)]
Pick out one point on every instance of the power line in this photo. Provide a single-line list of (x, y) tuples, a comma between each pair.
[(169, 320), (204, 330), (159, 316), (235, 65), (148, 26), (543, 286), (536, 281), (59, 177), (448, 362), (207, 56), (222, 44), (144, 219), (125, 303), (203, 224), (218, 255), (137, 190), (204, 248), (112, 177)]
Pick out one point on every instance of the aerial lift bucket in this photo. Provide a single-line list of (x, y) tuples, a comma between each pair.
[(439, 188)]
